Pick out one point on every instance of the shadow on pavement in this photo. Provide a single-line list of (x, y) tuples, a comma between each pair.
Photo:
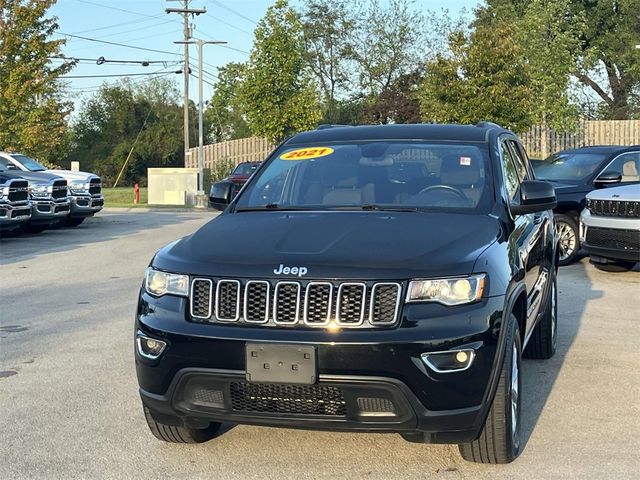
[(575, 289)]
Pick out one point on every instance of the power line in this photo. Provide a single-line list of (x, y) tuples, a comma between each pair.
[(222, 5), (117, 75), (119, 9), (224, 22), (121, 24), (102, 60), (114, 43)]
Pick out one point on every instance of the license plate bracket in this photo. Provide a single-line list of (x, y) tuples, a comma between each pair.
[(277, 363)]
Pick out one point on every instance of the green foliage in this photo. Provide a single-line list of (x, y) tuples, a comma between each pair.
[(146, 117), (32, 113), (277, 93), (225, 113), (385, 42), (485, 78), (221, 169)]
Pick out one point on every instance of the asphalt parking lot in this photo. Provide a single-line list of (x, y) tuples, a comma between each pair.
[(68, 394)]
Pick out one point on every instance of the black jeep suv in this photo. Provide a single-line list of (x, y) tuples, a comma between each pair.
[(374, 278)]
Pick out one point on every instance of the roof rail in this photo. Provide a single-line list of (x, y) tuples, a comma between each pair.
[(324, 126), (485, 124)]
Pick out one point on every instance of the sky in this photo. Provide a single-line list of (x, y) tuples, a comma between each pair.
[(144, 24)]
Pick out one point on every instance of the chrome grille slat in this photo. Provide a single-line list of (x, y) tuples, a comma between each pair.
[(228, 300), (351, 303), (318, 300), (283, 308), (615, 208), (201, 289), (385, 302), (256, 301)]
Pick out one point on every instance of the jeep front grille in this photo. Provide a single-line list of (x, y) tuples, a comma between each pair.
[(614, 208), (18, 190), (59, 189), (293, 303)]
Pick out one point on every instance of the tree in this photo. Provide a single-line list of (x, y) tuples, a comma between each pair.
[(278, 96), (398, 103), (32, 112), (326, 26), (604, 34), (145, 119), (484, 78), (385, 42), (225, 112)]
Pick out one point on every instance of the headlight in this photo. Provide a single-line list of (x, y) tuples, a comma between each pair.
[(79, 187), (38, 190), (4, 192), (160, 283), (449, 291)]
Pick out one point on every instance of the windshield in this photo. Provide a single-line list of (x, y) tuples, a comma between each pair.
[(245, 169), (29, 163), (568, 166), (373, 175)]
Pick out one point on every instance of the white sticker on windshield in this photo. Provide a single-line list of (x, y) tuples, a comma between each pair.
[(466, 161)]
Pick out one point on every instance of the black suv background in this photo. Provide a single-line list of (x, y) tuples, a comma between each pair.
[(375, 278), (575, 173)]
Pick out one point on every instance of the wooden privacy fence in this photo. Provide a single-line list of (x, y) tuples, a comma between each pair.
[(232, 151), (539, 142)]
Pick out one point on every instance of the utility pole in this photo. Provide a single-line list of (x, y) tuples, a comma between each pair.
[(185, 11), (200, 44)]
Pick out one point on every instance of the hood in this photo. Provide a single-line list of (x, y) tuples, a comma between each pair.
[(71, 175), (625, 193), (362, 245), (562, 188), (9, 175), (37, 177)]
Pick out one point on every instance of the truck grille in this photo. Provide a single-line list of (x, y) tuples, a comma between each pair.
[(95, 186), (613, 238), (59, 189), (18, 191), (614, 208), (291, 303), (288, 399)]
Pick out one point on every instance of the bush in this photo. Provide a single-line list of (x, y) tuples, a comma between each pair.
[(221, 169)]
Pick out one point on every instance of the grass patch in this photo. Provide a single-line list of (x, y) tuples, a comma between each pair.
[(123, 197)]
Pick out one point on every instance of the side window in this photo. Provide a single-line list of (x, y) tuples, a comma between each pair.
[(519, 160), (509, 172), (627, 164)]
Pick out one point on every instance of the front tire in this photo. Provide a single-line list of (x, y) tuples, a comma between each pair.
[(568, 238), (499, 440), (173, 434), (542, 344)]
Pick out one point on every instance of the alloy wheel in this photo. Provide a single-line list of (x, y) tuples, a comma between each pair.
[(566, 239)]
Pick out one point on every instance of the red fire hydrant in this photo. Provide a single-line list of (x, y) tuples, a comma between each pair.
[(136, 193)]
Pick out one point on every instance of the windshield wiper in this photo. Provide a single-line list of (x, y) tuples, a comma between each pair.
[(268, 207), (376, 208)]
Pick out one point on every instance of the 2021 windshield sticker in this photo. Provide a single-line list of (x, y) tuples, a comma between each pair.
[(307, 153)]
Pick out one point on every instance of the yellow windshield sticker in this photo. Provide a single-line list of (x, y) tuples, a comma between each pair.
[(307, 153)]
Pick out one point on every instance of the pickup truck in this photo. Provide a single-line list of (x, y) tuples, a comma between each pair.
[(15, 207), (85, 189), (377, 278)]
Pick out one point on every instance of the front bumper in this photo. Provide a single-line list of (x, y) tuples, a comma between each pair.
[(85, 205), (12, 215), (49, 211), (201, 375), (615, 238)]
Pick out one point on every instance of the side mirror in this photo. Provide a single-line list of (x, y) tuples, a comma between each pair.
[(221, 195), (535, 196), (607, 177)]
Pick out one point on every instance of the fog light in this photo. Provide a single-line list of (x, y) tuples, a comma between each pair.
[(150, 347), (449, 361)]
